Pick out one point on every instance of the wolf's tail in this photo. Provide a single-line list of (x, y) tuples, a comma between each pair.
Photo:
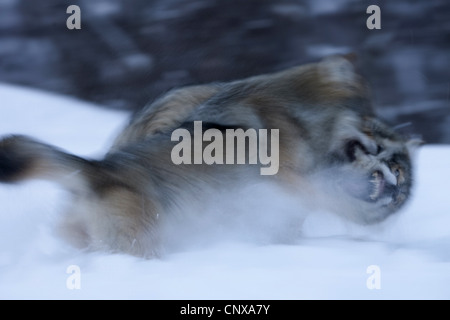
[(23, 158)]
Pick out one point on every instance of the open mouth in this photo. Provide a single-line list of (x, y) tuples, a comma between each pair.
[(376, 186), (372, 188)]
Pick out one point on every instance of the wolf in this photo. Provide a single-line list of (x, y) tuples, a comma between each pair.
[(334, 153)]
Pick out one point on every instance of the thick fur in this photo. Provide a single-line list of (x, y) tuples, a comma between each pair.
[(333, 154)]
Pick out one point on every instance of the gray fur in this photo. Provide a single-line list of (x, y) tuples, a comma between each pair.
[(334, 154)]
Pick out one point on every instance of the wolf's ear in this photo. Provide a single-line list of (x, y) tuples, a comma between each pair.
[(413, 145), (339, 69)]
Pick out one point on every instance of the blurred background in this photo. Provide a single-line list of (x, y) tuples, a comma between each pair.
[(129, 52)]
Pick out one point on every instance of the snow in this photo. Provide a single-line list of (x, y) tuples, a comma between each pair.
[(411, 250)]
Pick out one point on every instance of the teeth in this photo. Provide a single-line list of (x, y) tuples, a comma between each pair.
[(376, 182)]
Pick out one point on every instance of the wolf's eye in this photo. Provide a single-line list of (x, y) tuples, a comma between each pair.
[(398, 172)]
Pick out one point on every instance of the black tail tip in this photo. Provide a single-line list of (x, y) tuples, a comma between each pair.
[(13, 159)]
